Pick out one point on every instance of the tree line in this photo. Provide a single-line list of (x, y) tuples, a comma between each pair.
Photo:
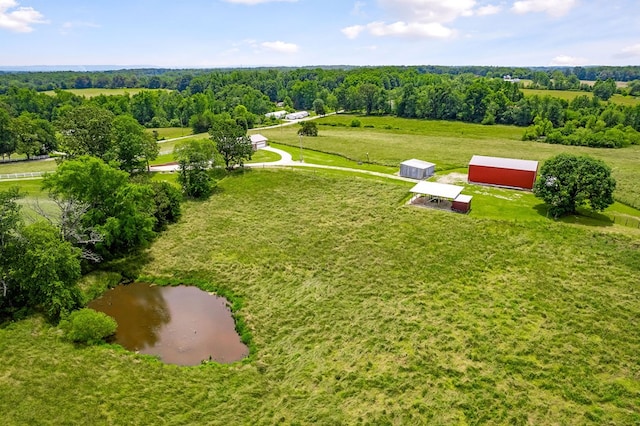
[(33, 123), (176, 79)]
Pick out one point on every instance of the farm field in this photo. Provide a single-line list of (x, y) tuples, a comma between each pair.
[(363, 310), (171, 132), (570, 95), (450, 145), (90, 93)]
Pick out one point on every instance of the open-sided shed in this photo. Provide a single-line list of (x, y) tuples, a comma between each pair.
[(437, 191), (417, 169), (507, 172)]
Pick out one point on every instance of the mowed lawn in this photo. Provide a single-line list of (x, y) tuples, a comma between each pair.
[(363, 310), (450, 145)]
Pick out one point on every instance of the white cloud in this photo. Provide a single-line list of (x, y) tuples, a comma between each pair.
[(565, 60), (553, 8), (280, 46), (19, 20), (427, 11), (630, 51), (416, 18), (410, 29), (488, 10), (353, 31), (252, 2)]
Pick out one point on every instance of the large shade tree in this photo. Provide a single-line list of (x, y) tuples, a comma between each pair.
[(231, 142), (195, 157), (86, 130), (566, 182)]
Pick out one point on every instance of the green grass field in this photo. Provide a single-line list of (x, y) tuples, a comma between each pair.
[(171, 132), (364, 310), (90, 93), (570, 95), (450, 145), (28, 166)]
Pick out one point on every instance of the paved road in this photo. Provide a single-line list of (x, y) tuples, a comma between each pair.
[(287, 160)]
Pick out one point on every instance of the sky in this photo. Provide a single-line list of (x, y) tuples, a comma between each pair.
[(248, 33)]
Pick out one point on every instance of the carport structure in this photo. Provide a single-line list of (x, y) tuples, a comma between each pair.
[(435, 195)]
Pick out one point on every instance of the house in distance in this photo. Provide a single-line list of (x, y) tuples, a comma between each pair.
[(506, 172), (417, 169), (258, 141)]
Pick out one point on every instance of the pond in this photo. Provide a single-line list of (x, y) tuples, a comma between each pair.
[(182, 325)]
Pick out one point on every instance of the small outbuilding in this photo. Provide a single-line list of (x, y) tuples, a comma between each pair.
[(417, 169), (258, 141), (462, 203), (506, 172)]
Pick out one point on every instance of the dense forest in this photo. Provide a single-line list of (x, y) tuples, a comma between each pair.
[(33, 123)]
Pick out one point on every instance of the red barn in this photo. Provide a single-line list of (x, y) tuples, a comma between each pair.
[(507, 172)]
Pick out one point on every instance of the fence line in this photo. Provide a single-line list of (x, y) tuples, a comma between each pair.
[(22, 175)]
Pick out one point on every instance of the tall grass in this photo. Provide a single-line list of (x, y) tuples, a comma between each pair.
[(363, 310)]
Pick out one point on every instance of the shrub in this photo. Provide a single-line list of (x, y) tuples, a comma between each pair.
[(308, 128), (355, 123), (88, 326)]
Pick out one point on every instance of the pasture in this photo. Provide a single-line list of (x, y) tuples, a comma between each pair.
[(363, 310), (570, 95), (450, 145)]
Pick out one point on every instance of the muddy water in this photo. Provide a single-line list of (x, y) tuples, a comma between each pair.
[(182, 325)]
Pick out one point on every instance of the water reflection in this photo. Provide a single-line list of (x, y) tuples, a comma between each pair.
[(183, 325)]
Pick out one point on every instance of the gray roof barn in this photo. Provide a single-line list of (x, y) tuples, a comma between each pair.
[(417, 169)]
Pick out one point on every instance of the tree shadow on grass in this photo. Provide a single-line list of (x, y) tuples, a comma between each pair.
[(584, 217)]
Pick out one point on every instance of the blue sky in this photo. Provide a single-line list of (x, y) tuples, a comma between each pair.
[(220, 33)]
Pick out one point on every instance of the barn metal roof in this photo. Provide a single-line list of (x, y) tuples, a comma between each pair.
[(504, 163), (437, 189), (418, 164)]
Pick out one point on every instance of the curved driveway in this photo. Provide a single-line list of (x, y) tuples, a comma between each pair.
[(286, 160)]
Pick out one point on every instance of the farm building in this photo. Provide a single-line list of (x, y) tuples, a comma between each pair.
[(258, 141), (417, 169), (276, 114), (462, 203), (507, 172), (296, 115)]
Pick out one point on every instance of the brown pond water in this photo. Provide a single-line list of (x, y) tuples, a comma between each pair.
[(182, 325)]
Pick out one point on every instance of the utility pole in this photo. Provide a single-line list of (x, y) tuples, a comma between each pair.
[(301, 159)]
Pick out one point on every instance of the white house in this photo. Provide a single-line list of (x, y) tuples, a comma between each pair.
[(258, 141)]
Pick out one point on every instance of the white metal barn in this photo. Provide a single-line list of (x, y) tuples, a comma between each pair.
[(296, 115), (417, 169), (276, 114), (258, 141)]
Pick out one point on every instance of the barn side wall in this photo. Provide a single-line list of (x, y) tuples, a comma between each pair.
[(502, 177), (461, 207)]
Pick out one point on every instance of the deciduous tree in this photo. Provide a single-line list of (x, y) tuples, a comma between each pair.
[(566, 182), (195, 157), (132, 147), (231, 142)]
